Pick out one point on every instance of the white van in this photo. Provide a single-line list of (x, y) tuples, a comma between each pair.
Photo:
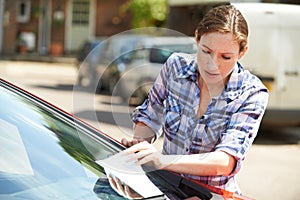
[(274, 56)]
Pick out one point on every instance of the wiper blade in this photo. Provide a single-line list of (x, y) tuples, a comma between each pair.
[(184, 187)]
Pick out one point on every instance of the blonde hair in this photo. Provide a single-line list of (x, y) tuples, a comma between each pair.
[(225, 19)]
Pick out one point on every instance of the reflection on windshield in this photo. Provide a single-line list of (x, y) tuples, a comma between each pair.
[(44, 156), (12, 151)]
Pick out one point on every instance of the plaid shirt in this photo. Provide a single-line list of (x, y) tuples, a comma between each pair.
[(230, 123)]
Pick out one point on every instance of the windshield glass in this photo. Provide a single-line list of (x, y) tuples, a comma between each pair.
[(44, 156)]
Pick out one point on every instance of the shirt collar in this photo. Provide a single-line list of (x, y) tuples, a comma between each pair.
[(189, 70), (232, 89)]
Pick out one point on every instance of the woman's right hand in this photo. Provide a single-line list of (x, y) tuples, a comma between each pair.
[(141, 133)]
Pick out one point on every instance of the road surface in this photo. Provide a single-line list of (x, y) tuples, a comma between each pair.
[(271, 169)]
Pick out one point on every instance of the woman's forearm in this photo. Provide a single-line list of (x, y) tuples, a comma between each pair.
[(205, 164), (143, 132), (208, 164)]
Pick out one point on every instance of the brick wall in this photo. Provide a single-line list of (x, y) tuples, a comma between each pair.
[(10, 30), (110, 20)]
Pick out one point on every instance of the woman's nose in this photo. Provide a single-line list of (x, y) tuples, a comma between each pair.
[(212, 62)]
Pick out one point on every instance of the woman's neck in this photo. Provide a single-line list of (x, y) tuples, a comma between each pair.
[(214, 90)]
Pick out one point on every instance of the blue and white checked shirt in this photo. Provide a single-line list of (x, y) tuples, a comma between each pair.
[(230, 123)]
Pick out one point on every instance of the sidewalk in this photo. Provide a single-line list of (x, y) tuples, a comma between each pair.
[(71, 59)]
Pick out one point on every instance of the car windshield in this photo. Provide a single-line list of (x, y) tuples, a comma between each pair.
[(45, 156)]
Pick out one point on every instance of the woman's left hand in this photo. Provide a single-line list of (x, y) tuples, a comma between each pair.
[(146, 153)]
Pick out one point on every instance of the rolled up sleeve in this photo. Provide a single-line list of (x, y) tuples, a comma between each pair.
[(243, 127)]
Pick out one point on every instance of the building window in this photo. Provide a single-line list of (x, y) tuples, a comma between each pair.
[(23, 10), (80, 12)]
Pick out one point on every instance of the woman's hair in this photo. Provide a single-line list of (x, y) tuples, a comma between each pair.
[(225, 19)]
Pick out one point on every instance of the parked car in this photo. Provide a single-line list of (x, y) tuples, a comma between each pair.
[(146, 62), (46, 153), (87, 47), (101, 68)]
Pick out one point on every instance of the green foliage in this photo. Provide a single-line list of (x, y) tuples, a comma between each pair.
[(147, 13)]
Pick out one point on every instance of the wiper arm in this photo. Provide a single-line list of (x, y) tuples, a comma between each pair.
[(184, 187)]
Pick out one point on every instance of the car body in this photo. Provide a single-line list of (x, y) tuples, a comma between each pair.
[(47, 153), (146, 62)]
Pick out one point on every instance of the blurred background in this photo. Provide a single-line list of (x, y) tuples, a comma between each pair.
[(55, 48), (57, 27)]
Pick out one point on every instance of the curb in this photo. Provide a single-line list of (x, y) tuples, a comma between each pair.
[(40, 58)]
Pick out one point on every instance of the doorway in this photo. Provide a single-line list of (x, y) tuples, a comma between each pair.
[(80, 24)]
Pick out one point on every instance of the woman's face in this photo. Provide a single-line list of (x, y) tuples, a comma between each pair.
[(216, 56)]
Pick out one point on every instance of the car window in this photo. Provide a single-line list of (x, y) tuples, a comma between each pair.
[(119, 46), (160, 53)]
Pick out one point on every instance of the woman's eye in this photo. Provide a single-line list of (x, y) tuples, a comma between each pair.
[(226, 57), (206, 52)]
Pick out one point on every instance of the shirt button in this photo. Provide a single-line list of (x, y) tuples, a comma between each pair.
[(186, 149)]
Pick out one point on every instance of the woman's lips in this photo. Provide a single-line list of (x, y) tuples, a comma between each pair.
[(211, 74)]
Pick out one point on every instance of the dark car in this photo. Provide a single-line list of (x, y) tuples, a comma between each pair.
[(46, 153), (87, 58), (87, 47)]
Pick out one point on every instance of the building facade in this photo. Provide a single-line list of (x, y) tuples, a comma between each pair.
[(57, 26)]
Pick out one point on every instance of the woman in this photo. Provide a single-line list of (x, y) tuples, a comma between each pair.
[(208, 106)]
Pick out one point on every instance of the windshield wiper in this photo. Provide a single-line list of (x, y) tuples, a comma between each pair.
[(183, 187)]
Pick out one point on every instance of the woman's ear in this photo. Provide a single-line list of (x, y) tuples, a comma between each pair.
[(242, 53)]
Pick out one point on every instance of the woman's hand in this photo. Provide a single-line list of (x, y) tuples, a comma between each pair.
[(145, 153), (141, 133), (123, 189)]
